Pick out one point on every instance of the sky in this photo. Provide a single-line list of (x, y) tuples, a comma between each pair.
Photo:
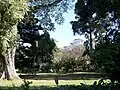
[(63, 33)]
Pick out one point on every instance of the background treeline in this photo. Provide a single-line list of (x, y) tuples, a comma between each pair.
[(46, 57)]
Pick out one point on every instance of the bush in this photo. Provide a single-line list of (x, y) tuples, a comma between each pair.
[(70, 65), (106, 59)]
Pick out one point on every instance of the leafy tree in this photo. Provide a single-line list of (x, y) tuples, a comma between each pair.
[(100, 18), (95, 18), (105, 58), (40, 17), (40, 46), (69, 59), (11, 11), (50, 11)]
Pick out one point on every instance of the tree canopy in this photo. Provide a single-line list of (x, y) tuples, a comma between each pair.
[(35, 48), (40, 18), (10, 13), (50, 11), (96, 17), (99, 22)]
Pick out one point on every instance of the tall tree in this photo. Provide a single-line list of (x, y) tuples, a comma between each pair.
[(102, 19), (40, 15), (95, 18), (11, 11), (39, 46), (106, 59)]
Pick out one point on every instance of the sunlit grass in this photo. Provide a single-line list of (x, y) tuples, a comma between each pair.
[(50, 83), (47, 79)]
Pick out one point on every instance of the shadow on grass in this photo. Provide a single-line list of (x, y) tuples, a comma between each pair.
[(63, 87), (62, 76)]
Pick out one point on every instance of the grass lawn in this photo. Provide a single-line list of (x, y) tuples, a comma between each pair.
[(50, 85), (45, 82)]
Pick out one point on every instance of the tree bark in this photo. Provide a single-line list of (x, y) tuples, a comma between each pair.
[(9, 71), (91, 43)]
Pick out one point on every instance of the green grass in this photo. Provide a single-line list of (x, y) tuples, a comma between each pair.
[(47, 79), (45, 82), (50, 85)]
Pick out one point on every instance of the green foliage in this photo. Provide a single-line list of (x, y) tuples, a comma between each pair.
[(70, 65), (106, 59), (38, 52), (40, 17), (101, 19), (71, 60), (104, 84), (26, 85), (11, 11), (95, 18), (50, 11)]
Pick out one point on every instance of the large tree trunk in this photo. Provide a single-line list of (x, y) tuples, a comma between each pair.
[(9, 71)]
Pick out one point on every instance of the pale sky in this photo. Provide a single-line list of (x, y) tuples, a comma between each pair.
[(63, 33)]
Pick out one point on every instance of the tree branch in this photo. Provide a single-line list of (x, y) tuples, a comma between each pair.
[(46, 5)]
